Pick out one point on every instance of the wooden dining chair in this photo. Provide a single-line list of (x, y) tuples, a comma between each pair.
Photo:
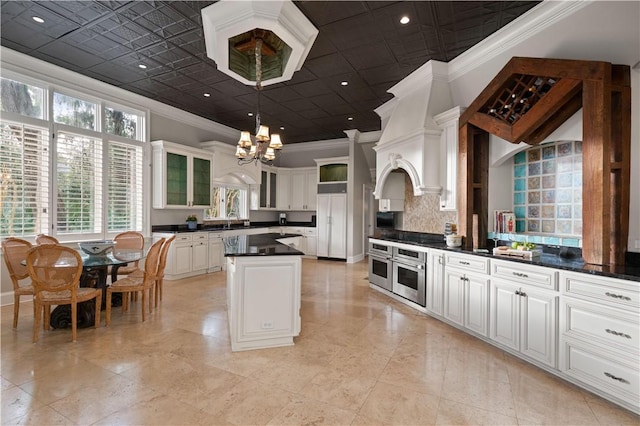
[(46, 239), (14, 252), (55, 272), (129, 240), (162, 263), (135, 284)]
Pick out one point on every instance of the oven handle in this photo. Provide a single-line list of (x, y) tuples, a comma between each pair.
[(403, 262)]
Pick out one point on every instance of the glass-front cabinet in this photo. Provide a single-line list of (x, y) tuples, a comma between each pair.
[(181, 176)]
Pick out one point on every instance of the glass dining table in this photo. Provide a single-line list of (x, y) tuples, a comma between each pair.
[(95, 270)]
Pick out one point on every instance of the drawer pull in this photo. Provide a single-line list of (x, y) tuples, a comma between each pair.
[(464, 263), (520, 274), (618, 296), (618, 333), (620, 379)]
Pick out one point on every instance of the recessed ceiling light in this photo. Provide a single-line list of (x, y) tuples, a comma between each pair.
[(38, 19), (206, 95), (281, 127), (404, 20), (350, 118), (250, 114), (344, 83), (142, 66)]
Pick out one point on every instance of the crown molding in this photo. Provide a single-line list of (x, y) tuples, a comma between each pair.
[(317, 145), (530, 23), (52, 74)]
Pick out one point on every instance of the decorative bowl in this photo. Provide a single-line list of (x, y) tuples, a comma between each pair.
[(97, 248), (454, 240)]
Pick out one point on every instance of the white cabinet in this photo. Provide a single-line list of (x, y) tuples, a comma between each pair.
[(283, 191), (390, 205), (304, 184), (311, 235), (466, 292), (448, 121), (600, 335), (216, 253), (435, 282), (181, 176), (332, 225), (188, 255), (524, 319), (264, 196)]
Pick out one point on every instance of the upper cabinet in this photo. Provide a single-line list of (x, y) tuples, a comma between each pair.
[(304, 189), (448, 121), (281, 188), (181, 176), (267, 192)]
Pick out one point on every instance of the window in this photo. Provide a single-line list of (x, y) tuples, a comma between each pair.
[(86, 182), (21, 98), (228, 202), (24, 180)]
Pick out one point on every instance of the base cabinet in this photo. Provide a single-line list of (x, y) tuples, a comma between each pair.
[(466, 300), (435, 282), (263, 301), (524, 319), (216, 252)]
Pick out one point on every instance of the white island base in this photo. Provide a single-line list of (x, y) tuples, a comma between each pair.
[(263, 301)]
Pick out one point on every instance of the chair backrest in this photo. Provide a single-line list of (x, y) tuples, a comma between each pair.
[(54, 268), (129, 240), (162, 262), (151, 261), (46, 239), (14, 251)]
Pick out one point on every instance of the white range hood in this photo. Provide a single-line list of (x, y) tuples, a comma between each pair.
[(226, 168), (411, 140)]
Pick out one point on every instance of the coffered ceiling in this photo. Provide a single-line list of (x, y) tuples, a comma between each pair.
[(362, 43)]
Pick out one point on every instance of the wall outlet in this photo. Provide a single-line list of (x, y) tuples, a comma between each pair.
[(267, 325)]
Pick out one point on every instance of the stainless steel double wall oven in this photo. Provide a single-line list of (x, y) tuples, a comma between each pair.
[(398, 269)]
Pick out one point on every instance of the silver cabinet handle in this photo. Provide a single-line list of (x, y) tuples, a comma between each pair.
[(618, 296), (420, 266), (620, 379), (464, 263), (520, 274), (440, 260), (618, 333)]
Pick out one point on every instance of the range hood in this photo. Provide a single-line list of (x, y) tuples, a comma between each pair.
[(411, 140), (226, 168)]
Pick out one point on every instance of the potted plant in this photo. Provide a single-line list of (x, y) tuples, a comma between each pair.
[(192, 222)]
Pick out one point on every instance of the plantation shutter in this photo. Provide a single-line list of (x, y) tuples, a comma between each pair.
[(124, 201), (79, 184), (24, 180)]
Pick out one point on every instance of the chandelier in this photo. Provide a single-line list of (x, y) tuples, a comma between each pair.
[(265, 146)]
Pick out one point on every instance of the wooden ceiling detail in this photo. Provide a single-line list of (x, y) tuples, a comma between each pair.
[(529, 99)]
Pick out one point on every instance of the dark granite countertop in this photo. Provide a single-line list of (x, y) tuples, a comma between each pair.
[(259, 245), (213, 228), (626, 272)]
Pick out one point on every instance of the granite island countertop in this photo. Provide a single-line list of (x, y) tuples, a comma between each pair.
[(436, 241), (260, 245)]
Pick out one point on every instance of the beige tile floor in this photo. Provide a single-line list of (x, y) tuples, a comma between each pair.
[(361, 359)]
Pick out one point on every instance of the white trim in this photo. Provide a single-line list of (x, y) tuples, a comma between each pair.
[(52, 74), (316, 145), (355, 259), (520, 29)]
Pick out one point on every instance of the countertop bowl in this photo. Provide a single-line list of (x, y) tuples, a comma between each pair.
[(97, 248)]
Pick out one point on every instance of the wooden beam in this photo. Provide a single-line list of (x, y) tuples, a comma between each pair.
[(545, 129), (492, 125), (560, 68), (465, 182)]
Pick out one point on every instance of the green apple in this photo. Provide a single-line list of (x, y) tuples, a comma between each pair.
[(514, 245)]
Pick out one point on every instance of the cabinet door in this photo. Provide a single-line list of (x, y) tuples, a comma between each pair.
[(200, 259), (505, 314), (284, 185), (264, 189), (298, 190), (324, 204), (312, 190), (201, 178), (215, 256), (273, 189), (538, 319), (435, 282), (453, 296), (183, 258), (476, 316), (312, 245), (338, 225), (176, 179)]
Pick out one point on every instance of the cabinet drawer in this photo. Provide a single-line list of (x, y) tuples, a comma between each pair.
[(610, 291), (525, 274), (594, 322), (467, 262), (605, 371), (184, 238), (200, 236), (215, 237)]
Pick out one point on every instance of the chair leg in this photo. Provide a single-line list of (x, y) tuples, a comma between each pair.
[(144, 300), (151, 292), (74, 321), (46, 323), (36, 321), (16, 309), (98, 303), (108, 316)]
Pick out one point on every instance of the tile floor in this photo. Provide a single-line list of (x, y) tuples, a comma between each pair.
[(361, 359)]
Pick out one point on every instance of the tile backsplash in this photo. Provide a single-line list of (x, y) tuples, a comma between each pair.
[(422, 213)]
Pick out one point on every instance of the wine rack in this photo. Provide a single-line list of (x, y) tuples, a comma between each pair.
[(519, 95)]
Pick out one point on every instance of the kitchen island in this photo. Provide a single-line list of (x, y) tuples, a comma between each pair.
[(263, 290)]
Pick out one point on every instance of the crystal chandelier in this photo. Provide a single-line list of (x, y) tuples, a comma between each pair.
[(265, 146)]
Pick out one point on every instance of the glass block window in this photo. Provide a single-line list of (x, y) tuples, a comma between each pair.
[(547, 189)]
